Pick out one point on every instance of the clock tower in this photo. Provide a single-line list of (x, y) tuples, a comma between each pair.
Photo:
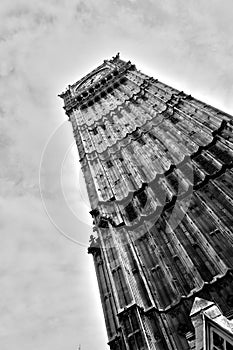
[(158, 169)]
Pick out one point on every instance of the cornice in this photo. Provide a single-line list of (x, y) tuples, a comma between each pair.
[(128, 138), (169, 103), (194, 292), (85, 97), (160, 207)]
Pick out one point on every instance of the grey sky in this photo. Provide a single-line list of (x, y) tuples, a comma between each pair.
[(49, 298)]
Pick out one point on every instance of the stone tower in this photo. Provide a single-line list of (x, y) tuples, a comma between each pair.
[(158, 169)]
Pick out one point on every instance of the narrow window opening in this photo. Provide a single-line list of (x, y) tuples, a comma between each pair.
[(109, 164)]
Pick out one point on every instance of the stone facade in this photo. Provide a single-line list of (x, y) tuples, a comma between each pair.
[(158, 169)]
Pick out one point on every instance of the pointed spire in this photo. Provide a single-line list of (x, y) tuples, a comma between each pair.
[(200, 304)]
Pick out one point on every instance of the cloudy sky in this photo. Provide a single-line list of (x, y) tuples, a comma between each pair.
[(48, 290)]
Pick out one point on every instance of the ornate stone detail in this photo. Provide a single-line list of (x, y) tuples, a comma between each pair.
[(158, 169)]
